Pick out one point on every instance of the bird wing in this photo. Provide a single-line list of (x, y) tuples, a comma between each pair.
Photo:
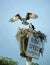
[(31, 16), (15, 18)]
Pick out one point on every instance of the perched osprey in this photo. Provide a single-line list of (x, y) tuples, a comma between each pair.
[(24, 20)]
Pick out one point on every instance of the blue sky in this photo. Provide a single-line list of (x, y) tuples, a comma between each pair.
[(9, 46)]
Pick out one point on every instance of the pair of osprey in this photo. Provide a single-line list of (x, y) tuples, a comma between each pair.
[(24, 20)]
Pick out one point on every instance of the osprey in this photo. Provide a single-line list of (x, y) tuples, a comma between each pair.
[(24, 20)]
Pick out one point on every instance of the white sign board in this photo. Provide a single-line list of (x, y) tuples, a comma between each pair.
[(33, 47)]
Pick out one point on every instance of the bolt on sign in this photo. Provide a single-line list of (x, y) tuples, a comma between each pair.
[(33, 47)]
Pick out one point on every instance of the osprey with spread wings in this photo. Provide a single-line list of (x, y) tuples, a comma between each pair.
[(24, 20)]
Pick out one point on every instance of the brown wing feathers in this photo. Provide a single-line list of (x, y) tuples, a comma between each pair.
[(31, 16)]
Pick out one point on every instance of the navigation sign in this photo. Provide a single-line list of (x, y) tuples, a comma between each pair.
[(33, 47)]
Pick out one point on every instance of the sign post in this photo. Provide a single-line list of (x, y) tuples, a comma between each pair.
[(28, 61), (31, 44)]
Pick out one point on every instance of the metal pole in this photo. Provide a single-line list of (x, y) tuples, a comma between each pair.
[(28, 61)]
